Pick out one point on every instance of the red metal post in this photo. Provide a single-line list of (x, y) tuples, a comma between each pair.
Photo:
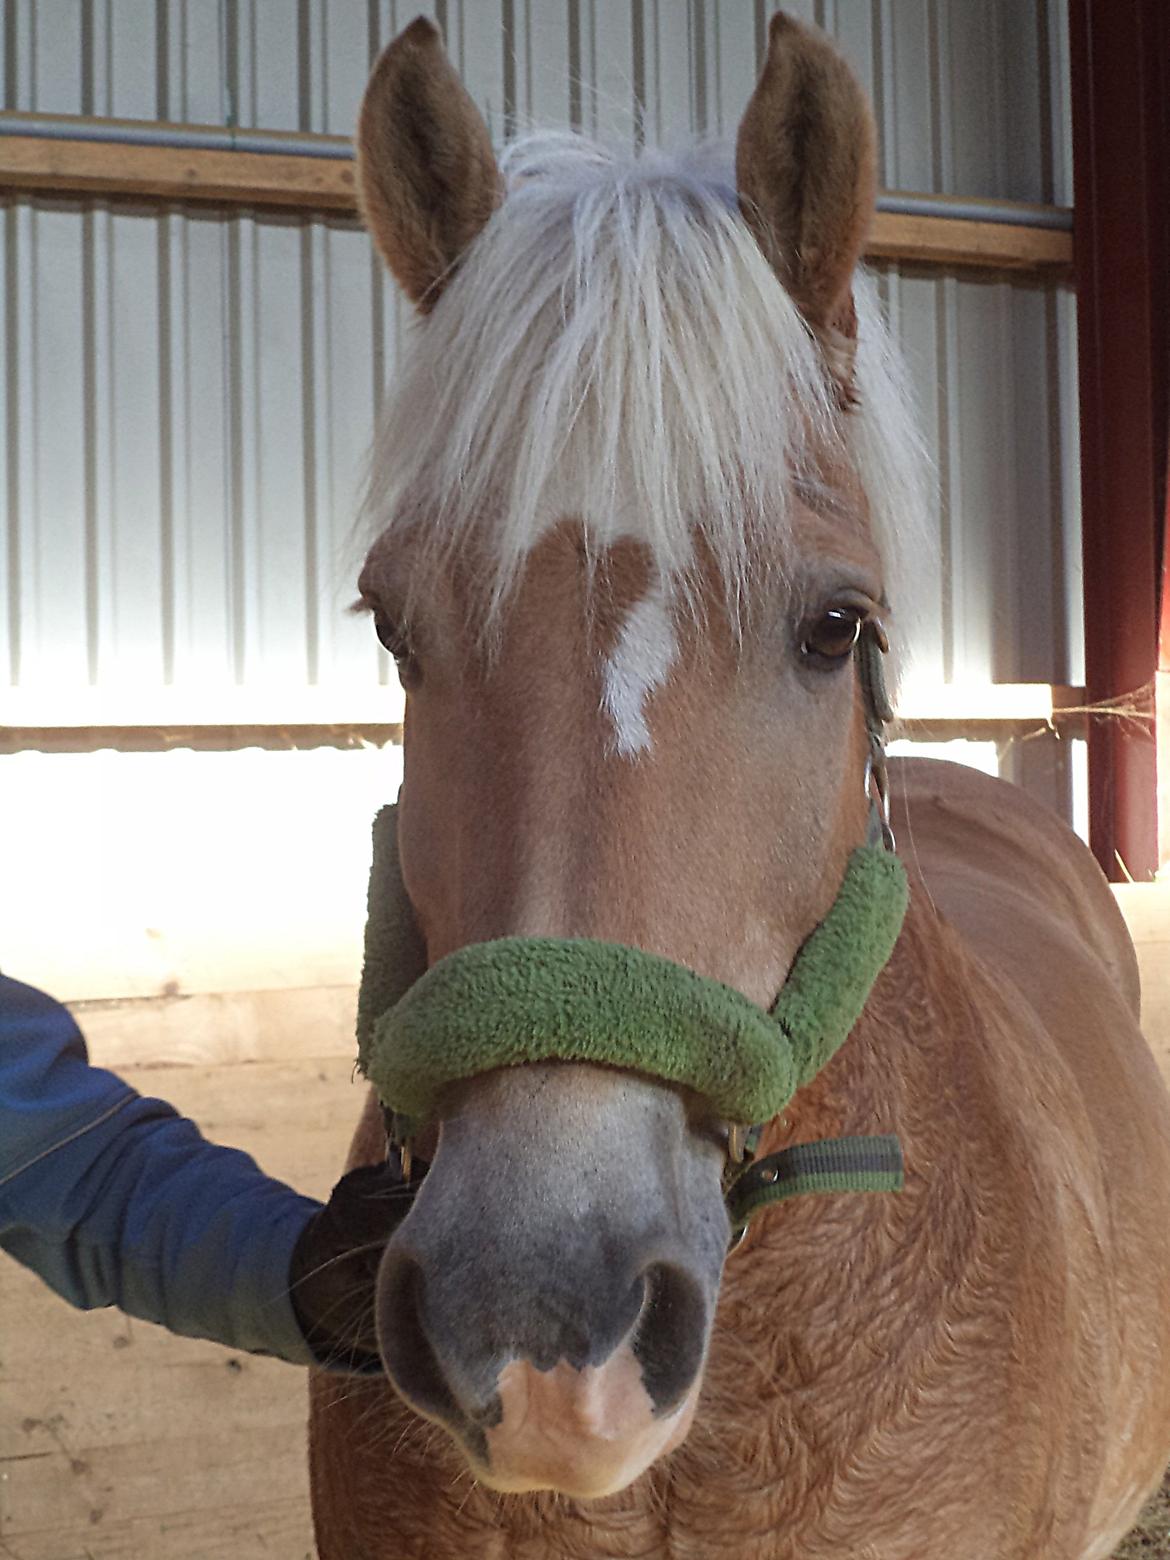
[(1121, 145), (1162, 692)]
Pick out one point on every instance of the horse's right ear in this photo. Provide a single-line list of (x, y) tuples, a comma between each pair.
[(806, 170), (427, 176)]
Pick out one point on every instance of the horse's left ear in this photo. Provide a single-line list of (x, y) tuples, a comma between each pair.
[(806, 171), (427, 175)]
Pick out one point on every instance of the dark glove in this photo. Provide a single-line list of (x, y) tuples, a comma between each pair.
[(335, 1261)]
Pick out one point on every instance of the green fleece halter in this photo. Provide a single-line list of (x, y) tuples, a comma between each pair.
[(532, 999)]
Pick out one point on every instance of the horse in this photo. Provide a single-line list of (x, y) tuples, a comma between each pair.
[(643, 489)]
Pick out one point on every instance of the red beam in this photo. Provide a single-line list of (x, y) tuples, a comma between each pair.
[(1162, 691), (1121, 151)]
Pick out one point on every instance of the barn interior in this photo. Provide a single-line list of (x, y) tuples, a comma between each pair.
[(196, 734)]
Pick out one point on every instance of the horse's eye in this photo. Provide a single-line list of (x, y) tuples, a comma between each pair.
[(390, 637), (833, 635), (394, 639)]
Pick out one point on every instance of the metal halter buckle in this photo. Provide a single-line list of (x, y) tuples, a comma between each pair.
[(397, 1130)]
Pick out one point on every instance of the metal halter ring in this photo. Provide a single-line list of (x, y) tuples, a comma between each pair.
[(736, 1240), (877, 791), (737, 1135)]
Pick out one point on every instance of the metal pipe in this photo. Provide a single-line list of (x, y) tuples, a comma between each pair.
[(206, 138), (971, 209), (185, 138)]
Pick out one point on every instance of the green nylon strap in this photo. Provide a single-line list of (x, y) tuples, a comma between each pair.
[(531, 999), (871, 646), (849, 1164)]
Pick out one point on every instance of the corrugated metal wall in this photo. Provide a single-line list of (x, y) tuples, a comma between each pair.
[(189, 393)]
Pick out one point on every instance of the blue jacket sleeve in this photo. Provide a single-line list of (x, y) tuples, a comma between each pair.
[(114, 1199)]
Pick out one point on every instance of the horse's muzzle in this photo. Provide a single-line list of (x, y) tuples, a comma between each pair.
[(581, 1401), (552, 1310)]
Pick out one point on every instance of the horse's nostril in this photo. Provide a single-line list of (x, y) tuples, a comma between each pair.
[(410, 1357), (670, 1336)]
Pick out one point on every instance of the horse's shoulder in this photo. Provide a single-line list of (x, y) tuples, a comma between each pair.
[(1000, 866)]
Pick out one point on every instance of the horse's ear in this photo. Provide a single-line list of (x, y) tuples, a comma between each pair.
[(806, 169), (427, 176)]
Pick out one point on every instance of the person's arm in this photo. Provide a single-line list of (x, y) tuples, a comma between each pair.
[(114, 1199)]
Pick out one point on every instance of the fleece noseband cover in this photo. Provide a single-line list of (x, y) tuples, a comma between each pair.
[(531, 999)]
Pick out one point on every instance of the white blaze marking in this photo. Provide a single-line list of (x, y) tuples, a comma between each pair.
[(639, 663)]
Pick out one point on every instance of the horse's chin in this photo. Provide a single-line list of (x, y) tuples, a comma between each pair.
[(543, 1450)]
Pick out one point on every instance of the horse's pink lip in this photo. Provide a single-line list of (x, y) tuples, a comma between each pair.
[(585, 1433)]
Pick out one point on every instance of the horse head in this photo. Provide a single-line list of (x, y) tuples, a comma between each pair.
[(637, 494)]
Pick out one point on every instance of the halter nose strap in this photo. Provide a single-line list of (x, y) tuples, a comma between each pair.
[(517, 1000)]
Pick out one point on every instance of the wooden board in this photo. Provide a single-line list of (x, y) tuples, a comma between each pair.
[(121, 1442), (36, 164), (1146, 907), (45, 165), (210, 1029), (956, 241)]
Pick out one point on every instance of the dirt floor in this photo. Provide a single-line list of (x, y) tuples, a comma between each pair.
[(1151, 1537)]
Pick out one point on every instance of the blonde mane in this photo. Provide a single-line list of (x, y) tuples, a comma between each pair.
[(616, 348)]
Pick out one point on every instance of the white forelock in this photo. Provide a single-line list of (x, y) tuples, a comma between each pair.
[(616, 349)]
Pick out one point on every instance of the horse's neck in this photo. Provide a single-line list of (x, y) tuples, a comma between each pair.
[(902, 1071), (887, 1076), (835, 1305), (868, 1332)]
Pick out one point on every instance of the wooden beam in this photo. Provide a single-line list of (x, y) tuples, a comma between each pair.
[(47, 166), (935, 713), (42, 165), (205, 737), (214, 1028), (987, 728), (959, 241)]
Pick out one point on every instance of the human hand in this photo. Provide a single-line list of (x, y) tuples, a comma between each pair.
[(334, 1264)]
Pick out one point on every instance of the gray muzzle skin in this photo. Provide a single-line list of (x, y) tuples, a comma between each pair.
[(568, 1210)]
